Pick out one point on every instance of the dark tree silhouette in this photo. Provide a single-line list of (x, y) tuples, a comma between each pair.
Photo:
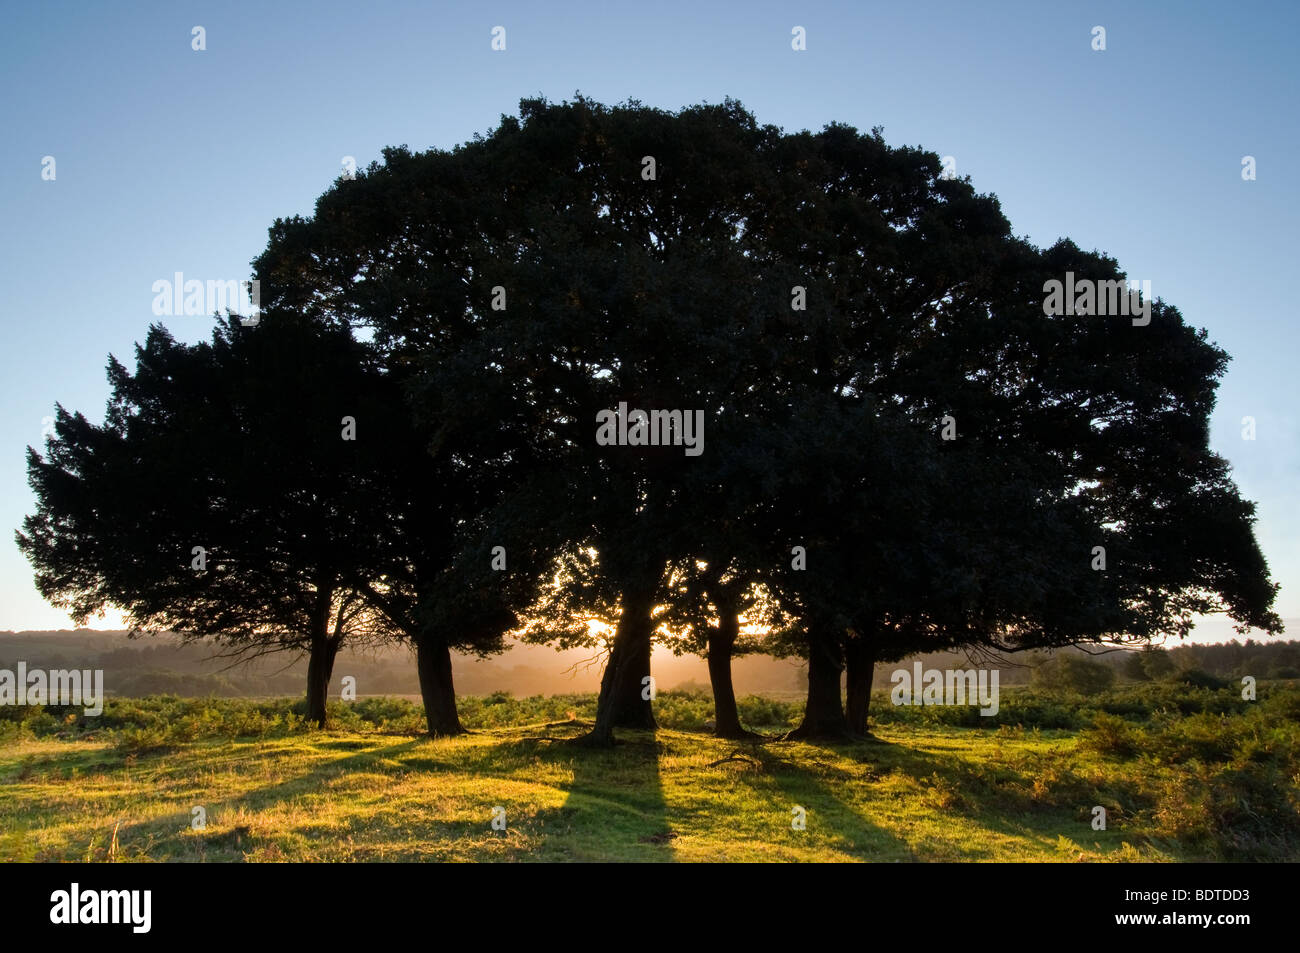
[(866, 344), (219, 498), (466, 541), (1068, 433)]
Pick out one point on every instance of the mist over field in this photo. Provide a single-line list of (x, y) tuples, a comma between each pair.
[(168, 664)]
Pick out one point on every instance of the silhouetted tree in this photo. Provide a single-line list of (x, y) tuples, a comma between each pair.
[(867, 343), (219, 498), (466, 542)]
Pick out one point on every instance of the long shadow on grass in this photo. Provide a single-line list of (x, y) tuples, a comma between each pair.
[(313, 780), (812, 791), (993, 795), (614, 808)]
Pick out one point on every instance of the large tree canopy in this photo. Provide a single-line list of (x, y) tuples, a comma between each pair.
[(875, 436), (835, 310)]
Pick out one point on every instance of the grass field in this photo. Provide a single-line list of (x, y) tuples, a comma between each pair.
[(1190, 774)]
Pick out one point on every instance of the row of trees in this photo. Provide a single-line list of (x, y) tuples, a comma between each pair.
[(901, 451)]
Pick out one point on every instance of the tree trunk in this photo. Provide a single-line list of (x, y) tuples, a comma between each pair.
[(621, 687), (320, 666), (632, 705), (824, 711), (321, 650), (859, 666), (726, 716), (433, 665)]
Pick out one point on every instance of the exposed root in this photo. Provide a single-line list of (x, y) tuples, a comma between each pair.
[(735, 756)]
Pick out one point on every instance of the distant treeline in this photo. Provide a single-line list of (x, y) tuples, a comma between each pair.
[(166, 665), (1068, 667)]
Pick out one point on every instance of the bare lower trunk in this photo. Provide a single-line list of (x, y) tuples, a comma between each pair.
[(632, 703), (859, 667), (433, 664), (726, 716), (624, 695), (320, 666), (824, 711)]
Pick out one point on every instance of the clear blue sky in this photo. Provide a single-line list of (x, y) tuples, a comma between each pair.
[(169, 159)]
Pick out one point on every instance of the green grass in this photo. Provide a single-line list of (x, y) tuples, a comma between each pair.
[(1216, 781)]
